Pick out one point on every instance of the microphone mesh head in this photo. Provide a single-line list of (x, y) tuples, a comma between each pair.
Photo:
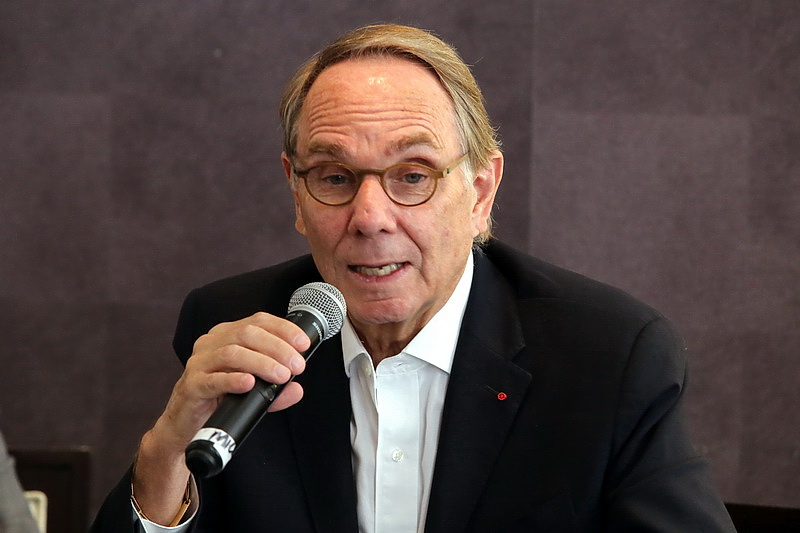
[(325, 301)]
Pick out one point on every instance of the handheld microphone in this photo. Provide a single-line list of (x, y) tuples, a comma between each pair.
[(319, 309)]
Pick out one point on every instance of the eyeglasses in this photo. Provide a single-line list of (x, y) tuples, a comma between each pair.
[(406, 184)]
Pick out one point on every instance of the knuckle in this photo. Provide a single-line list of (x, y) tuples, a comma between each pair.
[(217, 328), (211, 385), (249, 333), (228, 354), (202, 341)]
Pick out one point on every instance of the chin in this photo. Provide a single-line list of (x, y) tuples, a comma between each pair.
[(381, 313)]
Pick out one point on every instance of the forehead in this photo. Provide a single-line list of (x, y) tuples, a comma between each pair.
[(395, 101)]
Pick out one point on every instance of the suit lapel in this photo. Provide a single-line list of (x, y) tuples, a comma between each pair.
[(320, 428), (484, 393)]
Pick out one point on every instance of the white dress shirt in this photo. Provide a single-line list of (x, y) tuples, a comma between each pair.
[(397, 413)]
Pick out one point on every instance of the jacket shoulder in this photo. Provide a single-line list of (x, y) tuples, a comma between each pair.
[(236, 297), (268, 282), (533, 279)]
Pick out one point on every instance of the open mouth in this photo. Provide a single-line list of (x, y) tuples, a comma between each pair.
[(380, 271)]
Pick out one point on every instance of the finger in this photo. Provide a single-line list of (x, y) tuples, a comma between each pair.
[(265, 334), (250, 331), (234, 358), (218, 384), (276, 337), (285, 329), (290, 395)]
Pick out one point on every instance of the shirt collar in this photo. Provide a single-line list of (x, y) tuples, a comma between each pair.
[(436, 342)]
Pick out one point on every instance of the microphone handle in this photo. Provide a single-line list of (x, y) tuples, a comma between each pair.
[(237, 414)]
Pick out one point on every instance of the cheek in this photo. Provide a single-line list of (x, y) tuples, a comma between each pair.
[(311, 221), (316, 225), (445, 233), (461, 219)]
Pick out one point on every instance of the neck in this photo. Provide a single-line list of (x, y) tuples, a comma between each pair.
[(384, 340)]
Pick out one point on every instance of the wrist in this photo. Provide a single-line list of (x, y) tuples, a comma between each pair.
[(180, 515), (160, 479)]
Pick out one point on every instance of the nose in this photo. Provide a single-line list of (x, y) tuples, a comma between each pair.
[(373, 211)]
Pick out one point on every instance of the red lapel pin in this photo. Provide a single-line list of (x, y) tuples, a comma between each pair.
[(500, 395)]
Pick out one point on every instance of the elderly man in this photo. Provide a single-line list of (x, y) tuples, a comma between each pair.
[(472, 388)]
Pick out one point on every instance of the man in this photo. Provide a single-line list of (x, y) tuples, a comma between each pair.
[(473, 388)]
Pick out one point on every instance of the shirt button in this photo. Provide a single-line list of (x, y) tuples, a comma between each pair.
[(397, 455)]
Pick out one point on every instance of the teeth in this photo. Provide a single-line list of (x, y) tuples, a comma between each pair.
[(385, 270)]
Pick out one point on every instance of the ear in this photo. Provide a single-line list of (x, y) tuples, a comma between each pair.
[(287, 169), (486, 182)]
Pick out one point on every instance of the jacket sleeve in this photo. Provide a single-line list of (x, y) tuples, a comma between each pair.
[(656, 481), (116, 514)]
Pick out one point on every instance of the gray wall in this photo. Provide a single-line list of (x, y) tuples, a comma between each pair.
[(653, 144)]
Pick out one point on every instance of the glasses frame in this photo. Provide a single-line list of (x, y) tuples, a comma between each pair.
[(359, 173)]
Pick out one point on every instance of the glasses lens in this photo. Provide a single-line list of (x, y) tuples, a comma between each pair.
[(410, 184), (331, 183)]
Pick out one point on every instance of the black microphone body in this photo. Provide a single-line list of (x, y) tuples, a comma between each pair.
[(318, 308)]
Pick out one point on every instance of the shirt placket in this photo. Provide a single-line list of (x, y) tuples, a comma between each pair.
[(397, 455)]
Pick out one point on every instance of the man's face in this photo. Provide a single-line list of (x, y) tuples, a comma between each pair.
[(395, 265)]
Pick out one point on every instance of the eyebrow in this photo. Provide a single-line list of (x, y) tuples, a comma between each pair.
[(412, 141), (337, 151), (334, 150)]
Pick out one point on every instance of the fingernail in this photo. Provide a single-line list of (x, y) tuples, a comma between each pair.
[(301, 340), (298, 364)]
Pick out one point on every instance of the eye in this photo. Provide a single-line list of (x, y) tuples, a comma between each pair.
[(414, 178), (332, 175), (410, 175), (336, 179)]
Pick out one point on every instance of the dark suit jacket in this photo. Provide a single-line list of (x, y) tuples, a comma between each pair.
[(590, 436)]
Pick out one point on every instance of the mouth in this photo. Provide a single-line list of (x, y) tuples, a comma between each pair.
[(378, 271)]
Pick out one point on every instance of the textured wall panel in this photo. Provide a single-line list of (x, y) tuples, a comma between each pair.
[(652, 144)]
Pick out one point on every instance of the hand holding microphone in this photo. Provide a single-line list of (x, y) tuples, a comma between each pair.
[(224, 363), (319, 310)]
